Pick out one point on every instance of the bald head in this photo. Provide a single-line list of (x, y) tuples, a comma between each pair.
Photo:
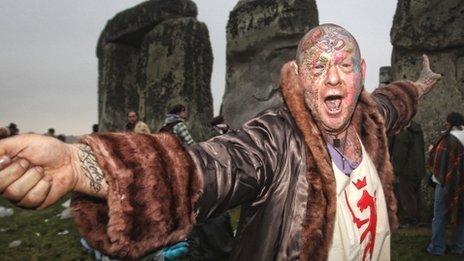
[(331, 72), (327, 38)]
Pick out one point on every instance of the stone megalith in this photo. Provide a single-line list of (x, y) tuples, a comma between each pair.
[(434, 27), (151, 57), (261, 37), (385, 75)]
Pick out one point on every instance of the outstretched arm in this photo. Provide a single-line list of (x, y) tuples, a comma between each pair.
[(126, 182), (398, 100), (129, 181)]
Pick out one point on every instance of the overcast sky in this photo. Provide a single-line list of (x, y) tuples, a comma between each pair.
[(48, 67)]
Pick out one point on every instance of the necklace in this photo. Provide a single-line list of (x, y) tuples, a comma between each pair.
[(337, 145)]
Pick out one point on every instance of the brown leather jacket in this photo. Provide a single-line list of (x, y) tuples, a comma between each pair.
[(276, 167)]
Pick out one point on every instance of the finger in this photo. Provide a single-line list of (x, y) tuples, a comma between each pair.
[(36, 195), (55, 193), (18, 189), (425, 61), (13, 172), (4, 161)]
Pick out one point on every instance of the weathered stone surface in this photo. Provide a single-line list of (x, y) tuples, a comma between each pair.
[(177, 58), (436, 28), (151, 57), (261, 37), (428, 24), (117, 85), (385, 75), (131, 25)]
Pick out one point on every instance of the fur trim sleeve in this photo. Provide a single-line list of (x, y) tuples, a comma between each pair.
[(153, 189), (398, 101)]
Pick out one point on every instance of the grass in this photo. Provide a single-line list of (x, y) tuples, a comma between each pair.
[(409, 244), (38, 232)]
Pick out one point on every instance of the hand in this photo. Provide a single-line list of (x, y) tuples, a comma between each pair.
[(35, 170), (427, 78)]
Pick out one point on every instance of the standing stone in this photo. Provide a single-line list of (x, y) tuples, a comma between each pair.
[(434, 27), (261, 37), (385, 75), (117, 89), (177, 59), (151, 57)]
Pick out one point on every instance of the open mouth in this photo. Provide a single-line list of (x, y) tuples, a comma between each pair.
[(333, 103)]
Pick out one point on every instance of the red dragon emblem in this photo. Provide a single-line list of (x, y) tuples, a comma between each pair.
[(365, 202)]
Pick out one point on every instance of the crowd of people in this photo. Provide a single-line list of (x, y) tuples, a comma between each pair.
[(313, 176), (12, 130)]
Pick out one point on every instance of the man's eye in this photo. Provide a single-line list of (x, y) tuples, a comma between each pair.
[(346, 65), (319, 66)]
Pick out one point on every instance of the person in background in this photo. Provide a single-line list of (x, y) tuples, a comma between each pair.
[(134, 124), (4, 132), (61, 137), (13, 129), (408, 158), (50, 132), (8, 131), (175, 123), (446, 163), (95, 128)]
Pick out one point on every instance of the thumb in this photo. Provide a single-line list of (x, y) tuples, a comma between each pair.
[(11, 146), (425, 61)]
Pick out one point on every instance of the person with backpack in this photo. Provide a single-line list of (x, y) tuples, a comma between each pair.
[(174, 123), (446, 163)]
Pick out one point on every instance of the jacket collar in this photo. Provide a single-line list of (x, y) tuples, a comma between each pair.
[(317, 230)]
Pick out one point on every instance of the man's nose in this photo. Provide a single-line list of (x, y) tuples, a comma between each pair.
[(333, 78)]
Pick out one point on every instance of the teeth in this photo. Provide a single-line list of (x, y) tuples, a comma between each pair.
[(333, 105)]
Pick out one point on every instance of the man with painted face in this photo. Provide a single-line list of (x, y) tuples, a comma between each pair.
[(312, 176)]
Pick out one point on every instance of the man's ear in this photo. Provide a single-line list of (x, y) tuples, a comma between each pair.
[(363, 69), (295, 66)]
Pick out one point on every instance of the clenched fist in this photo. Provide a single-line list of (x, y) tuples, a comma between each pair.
[(36, 171)]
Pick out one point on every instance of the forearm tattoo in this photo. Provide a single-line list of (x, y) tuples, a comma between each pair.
[(90, 167)]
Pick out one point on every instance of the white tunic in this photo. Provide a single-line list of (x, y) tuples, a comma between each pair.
[(361, 230)]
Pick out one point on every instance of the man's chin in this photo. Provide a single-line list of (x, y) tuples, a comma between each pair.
[(334, 127), (330, 125)]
